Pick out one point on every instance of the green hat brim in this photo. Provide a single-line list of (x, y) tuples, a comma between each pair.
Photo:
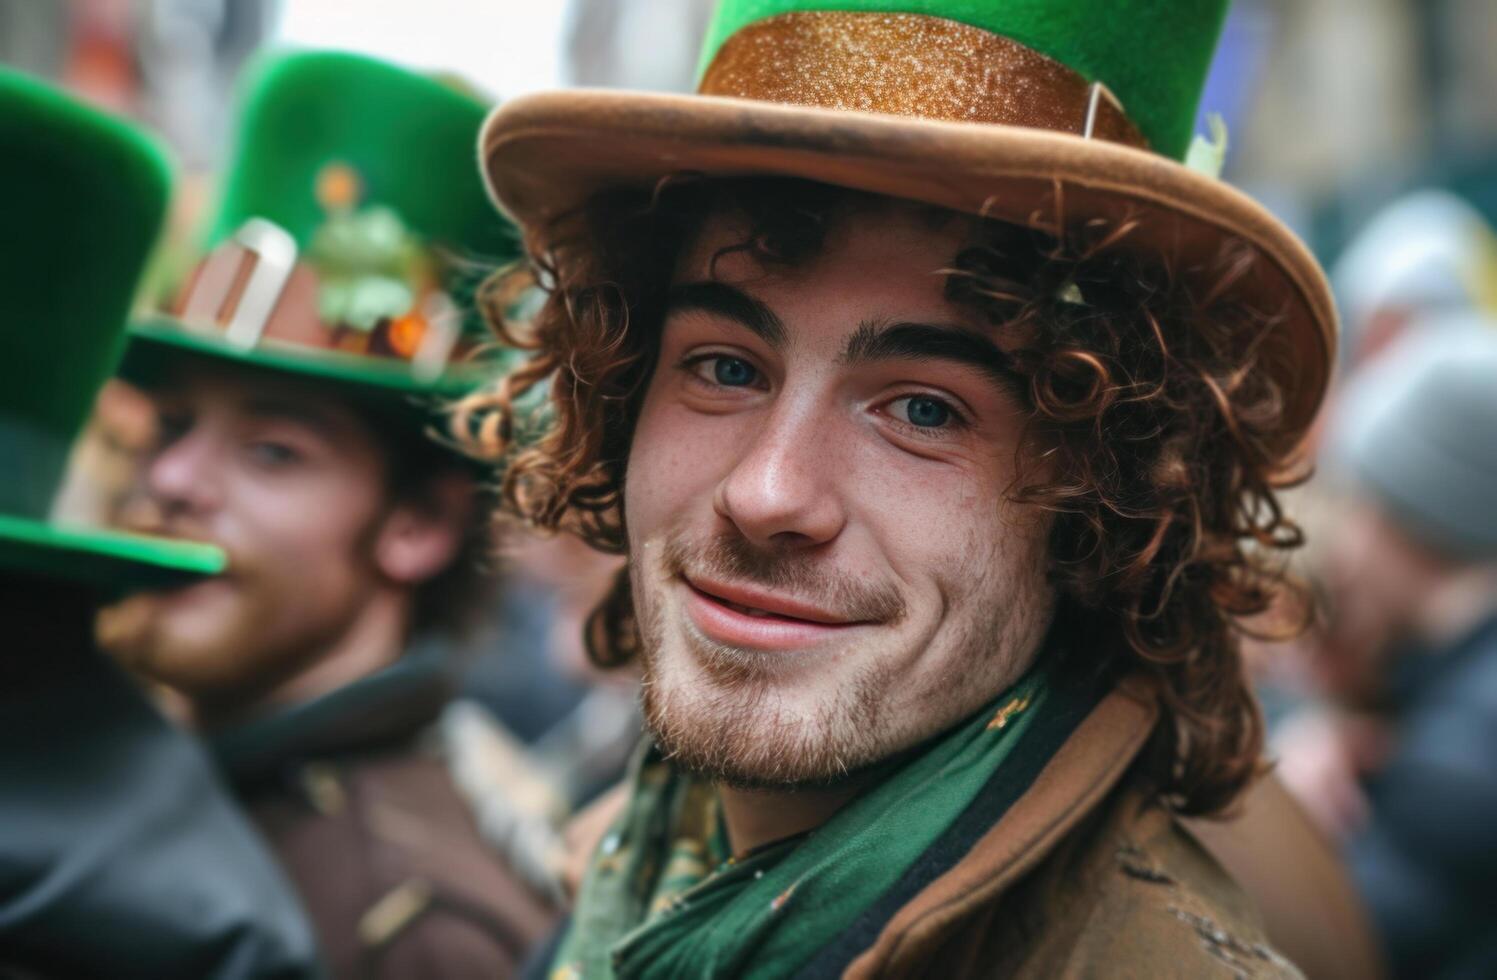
[(158, 342), (112, 561)]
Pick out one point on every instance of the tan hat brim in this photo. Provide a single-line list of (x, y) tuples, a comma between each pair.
[(545, 155)]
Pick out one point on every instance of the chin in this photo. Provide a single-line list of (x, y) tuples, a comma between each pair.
[(736, 718), (182, 663), (182, 638)]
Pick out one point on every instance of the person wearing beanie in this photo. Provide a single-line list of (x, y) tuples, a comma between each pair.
[(1403, 769), (1420, 259)]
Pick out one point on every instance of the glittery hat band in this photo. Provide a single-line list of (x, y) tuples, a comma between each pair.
[(912, 65)]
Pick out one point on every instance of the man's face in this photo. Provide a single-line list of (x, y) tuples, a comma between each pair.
[(826, 570), (292, 484)]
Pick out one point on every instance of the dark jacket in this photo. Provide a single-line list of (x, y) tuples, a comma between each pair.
[(1427, 859), (121, 853), (369, 825)]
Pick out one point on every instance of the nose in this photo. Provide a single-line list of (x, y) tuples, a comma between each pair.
[(783, 492), (181, 476)]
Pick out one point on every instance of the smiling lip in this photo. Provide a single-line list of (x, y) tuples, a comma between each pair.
[(740, 616)]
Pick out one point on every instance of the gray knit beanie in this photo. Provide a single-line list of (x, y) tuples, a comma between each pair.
[(1418, 430)]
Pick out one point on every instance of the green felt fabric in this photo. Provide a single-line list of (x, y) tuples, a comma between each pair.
[(1153, 54), (110, 561), (83, 196), (411, 138)]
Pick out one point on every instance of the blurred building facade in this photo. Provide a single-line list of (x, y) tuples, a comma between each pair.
[(1335, 106), (1357, 101)]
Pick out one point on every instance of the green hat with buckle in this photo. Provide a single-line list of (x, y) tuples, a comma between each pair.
[(83, 197), (352, 232), (1049, 114)]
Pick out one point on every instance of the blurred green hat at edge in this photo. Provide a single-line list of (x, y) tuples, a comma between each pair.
[(84, 196)]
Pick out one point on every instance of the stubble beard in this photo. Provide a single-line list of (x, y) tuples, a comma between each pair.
[(720, 712), (727, 721), (140, 634), (223, 668)]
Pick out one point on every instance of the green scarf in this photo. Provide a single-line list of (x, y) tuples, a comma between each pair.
[(663, 898)]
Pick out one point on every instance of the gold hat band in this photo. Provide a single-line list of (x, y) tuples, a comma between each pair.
[(912, 65)]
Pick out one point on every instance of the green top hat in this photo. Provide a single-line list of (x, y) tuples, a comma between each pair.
[(1100, 40), (83, 198), (352, 231)]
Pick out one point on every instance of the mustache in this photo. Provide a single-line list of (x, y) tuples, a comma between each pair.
[(735, 559), (142, 517)]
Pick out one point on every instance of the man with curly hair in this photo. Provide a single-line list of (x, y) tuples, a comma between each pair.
[(938, 409)]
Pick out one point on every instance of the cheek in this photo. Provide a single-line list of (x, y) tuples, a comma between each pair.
[(308, 529), (676, 460), (951, 536)]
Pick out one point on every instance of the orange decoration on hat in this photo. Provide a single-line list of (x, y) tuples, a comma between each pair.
[(406, 333), (339, 187)]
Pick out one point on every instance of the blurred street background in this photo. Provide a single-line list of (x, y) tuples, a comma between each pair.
[(1368, 126), (1334, 106)]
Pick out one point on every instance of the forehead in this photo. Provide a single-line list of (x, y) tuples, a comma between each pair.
[(878, 246), (207, 386)]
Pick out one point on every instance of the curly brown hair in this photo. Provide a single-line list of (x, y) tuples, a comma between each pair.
[(1164, 441)]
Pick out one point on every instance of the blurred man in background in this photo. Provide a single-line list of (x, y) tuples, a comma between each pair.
[(120, 852), (1403, 771), (294, 390)]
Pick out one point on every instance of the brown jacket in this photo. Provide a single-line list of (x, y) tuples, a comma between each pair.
[(1083, 876), (372, 831)]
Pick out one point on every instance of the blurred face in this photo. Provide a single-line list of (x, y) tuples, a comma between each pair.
[(825, 567), (1376, 581), (292, 484)]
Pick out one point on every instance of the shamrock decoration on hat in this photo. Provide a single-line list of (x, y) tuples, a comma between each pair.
[(352, 233)]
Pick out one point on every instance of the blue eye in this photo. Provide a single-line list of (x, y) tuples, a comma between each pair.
[(272, 454), (927, 413), (732, 372)]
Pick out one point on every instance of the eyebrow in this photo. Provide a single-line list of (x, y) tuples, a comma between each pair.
[(875, 341), (324, 423), (720, 299)]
